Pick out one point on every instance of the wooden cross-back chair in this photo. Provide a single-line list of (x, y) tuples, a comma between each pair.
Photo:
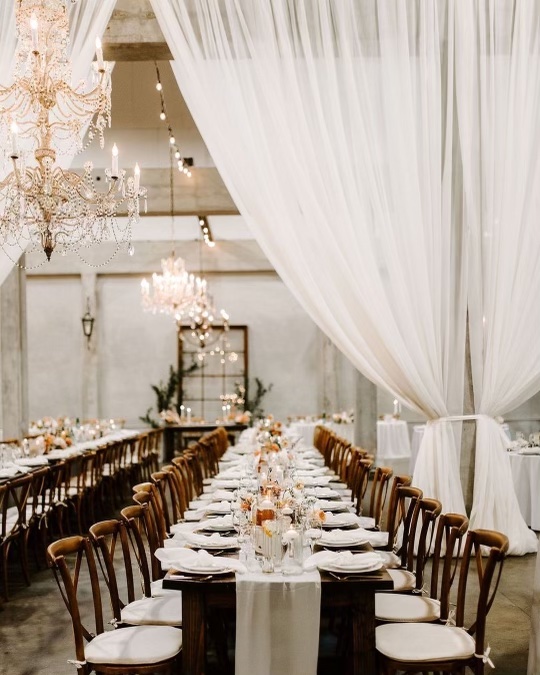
[(136, 649), (417, 533), (426, 647), (152, 498), (141, 529), (13, 501), (114, 548), (451, 528), (379, 492), (168, 492)]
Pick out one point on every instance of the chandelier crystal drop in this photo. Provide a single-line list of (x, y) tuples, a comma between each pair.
[(201, 319), (42, 116), (173, 291)]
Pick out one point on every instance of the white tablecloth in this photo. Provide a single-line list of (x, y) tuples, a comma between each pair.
[(534, 644), (392, 440), (526, 476)]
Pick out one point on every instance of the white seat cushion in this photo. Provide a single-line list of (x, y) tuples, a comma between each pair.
[(403, 579), (390, 560), (423, 642), (157, 590), (137, 645), (396, 607), (367, 523), (164, 611)]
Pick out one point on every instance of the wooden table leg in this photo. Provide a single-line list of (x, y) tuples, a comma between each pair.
[(363, 637), (193, 630)]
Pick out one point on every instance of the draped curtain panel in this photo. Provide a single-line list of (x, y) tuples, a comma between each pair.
[(332, 124), (87, 21), (498, 100)]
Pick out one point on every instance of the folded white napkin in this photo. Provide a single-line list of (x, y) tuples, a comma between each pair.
[(233, 472), (312, 471), (215, 540), (225, 483), (32, 461), (194, 560), (375, 538), (341, 518), (223, 495), (218, 507), (313, 481), (10, 471), (222, 523), (337, 535), (322, 492), (180, 528), (331, 505), (345, 560), (366, 522)]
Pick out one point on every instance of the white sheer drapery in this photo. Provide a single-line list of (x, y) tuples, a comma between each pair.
[(498, 99), (331, 123), (87, 20)]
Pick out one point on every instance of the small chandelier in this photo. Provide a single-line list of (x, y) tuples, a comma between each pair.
[(43, 204), (173, 291), (204, 332)]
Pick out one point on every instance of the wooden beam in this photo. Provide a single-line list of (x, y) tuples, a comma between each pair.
[(137, 51)]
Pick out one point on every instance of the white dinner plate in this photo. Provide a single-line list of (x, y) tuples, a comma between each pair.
[(342, 543), (350, 570), (216, 545), (197, 569), (339, 522), (218, 526)]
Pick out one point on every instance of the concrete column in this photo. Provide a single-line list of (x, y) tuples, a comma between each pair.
[(13, 355), (468, 436), (330, 356), (90, 382), (365, 414)]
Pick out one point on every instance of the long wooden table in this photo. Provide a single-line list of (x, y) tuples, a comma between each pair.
[(355, 595)]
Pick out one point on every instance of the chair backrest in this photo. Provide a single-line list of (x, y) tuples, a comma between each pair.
[(152, 500), (379, 492), (66, 558), (451, 529), (394, 515), (185, 475), (418, 531), (164, 481), (179, 501), (141, 529), (112, 545), (38, 489), (16, 494), (488, 548), (358, 477)]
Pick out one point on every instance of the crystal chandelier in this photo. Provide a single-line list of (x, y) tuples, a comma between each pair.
[(173, 291), (204, 332), (41, 204)]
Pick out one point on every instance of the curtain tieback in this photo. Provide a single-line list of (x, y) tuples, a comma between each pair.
[(461, 418)]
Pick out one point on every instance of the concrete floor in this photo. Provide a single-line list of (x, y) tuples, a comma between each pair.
[(36, 638)]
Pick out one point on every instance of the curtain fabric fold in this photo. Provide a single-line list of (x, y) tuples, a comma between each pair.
[(498, 101), (332, 124)]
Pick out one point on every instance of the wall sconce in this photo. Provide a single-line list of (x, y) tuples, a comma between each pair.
[(88, 323)]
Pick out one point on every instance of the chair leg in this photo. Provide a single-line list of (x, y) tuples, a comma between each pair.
[(23, 545)]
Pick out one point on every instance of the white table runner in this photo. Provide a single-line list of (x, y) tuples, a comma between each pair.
[(277, 623)]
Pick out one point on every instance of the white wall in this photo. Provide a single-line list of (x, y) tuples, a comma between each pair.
[(135, 349)]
